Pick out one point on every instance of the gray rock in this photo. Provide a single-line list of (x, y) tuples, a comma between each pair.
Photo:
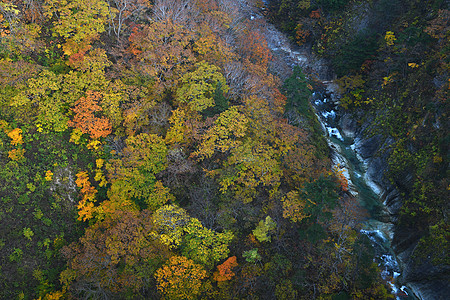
[(368, 147), (376, 169), (435, 289), (391, 198), (348, 126)]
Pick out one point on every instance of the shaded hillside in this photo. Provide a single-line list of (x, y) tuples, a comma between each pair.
[(145, 153), (392, 67)]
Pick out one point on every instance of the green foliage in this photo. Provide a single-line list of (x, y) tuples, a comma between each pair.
[(352, 55), (264, 228), (297, 90), (177, 230), (28, 233), (322, 197), (133, 176), (203, 245), (332, 5), (435, 245), (16, 256), (200, 86), (221, 102), (252, 255)]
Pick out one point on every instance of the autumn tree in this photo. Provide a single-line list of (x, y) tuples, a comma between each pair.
[(204, 245), (87, 192), (16, 136), (178, 11), (224, 134), (114, 256), (263, 230), (133, 173), (177, 230), (255, 161), (121, 11), (41, 91), (162, 50), (85, 119), (224, 271), (170, 221), (210, 47), (78, 21), (253, 47), (197, 87), (180, 126), (180, 278)]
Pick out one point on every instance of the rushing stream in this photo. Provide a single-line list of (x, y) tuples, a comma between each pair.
[(345, 156)]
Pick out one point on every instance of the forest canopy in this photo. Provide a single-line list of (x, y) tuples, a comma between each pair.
[(145, 153)]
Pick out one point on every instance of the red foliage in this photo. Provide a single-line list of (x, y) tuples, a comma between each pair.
[(224, 272), (315, 14)]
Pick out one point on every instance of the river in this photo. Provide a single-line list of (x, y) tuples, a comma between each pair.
[(344, 150)]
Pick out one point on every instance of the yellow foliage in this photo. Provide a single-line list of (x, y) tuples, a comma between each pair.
[(390, 38), (39, 128), (413, 65), (160, 196), (99, 177), (95, 144), (99, 162), (54, 296), (222, 136), (48, 175), (178, 129), (293, 207), (75, 136)]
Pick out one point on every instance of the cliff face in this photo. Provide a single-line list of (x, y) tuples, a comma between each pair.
[(388, 61), (425, 279)]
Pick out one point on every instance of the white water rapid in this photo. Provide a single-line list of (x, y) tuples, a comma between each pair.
[(345, 156)]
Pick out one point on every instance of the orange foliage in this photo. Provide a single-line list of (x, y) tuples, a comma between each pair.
[(207, 5), (341, 178), (315, 14), (256, 48), (301, 34), (85, 119), (224, 272), (16, 154), (16, 136), (180, 278), (75, 58), (279, 101)]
